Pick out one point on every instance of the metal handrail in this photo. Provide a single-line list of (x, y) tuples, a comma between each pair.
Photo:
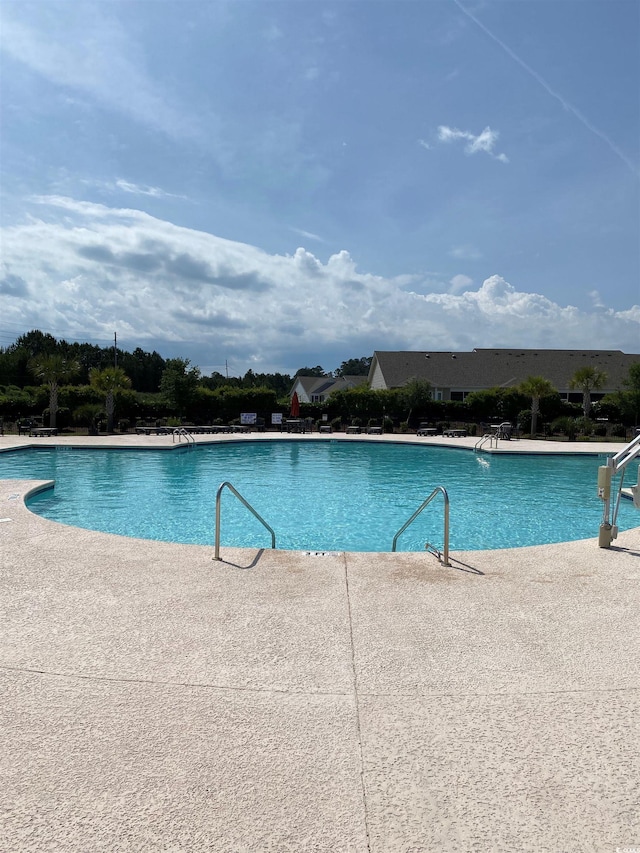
[(626, 455), (438, 490), (248, 506), (616, 464), (488, 436), (181, 431)]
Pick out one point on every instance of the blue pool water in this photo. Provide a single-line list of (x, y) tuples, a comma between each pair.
[(319, 495)]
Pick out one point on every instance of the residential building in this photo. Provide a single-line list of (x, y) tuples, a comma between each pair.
[(453, 375), (316, 389)]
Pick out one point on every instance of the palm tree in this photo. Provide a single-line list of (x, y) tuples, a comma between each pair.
[(52, 370), (536, 387), (587, 379), (109, 381)]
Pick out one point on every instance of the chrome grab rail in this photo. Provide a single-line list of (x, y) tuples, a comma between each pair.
[(488, 436), (438, 490), (181, 431), (248, 506)]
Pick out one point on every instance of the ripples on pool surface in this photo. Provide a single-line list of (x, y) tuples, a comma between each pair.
[(324, 495)]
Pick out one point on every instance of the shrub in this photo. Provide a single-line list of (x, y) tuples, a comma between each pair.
[(523, 421), (63, 417), (584, 426), (565, 426), (87, 414)]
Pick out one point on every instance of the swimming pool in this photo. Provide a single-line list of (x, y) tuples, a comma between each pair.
[(319, 495)]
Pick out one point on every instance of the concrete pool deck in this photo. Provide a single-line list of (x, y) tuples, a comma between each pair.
[(155, 699)]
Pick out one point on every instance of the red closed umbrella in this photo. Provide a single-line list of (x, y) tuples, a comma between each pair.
[(295, 405)]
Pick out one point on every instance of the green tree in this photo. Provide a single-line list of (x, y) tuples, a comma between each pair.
[(312, 371), (587, 379), (13, 367), (354, 367), (89, 357), (14, 402), (178, 384), (36, 343), (415, 395), (278, 382), (502, 404), (15, 359), (109, 381), (359, 404), (536, 387), (633, 380), (52, 371), (631, 397), (219, 380), (143, 368)]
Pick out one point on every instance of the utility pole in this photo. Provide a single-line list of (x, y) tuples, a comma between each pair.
[(115, 349)]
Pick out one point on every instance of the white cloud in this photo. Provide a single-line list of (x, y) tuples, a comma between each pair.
[(136, 189), (485, 141), (77, 46), (459, 282), (91, 270), (309, 235), (465, 252), (120, 185), (566, 105)]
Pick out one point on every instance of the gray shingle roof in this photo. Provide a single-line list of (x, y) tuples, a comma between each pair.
[(323, 384), (488, 368)]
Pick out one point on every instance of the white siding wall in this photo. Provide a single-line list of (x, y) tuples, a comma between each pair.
[(377, 380), (302, 394)]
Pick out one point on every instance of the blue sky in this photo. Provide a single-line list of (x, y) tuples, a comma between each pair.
[(271, 185)]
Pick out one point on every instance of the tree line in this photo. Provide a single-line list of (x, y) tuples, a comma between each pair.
[(80, 382), (83, 385), (143, 368)]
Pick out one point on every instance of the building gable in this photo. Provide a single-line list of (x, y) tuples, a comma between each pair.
[(316, 389)]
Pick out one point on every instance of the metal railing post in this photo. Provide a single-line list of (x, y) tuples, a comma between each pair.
[(438, 490), (228, 485)]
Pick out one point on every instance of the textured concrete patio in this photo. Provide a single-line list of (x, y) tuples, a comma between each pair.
[(154, 699)]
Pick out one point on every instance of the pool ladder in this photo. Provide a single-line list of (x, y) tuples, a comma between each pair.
[(227, 485), (181, 432), (443, 555), (490, 437)]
